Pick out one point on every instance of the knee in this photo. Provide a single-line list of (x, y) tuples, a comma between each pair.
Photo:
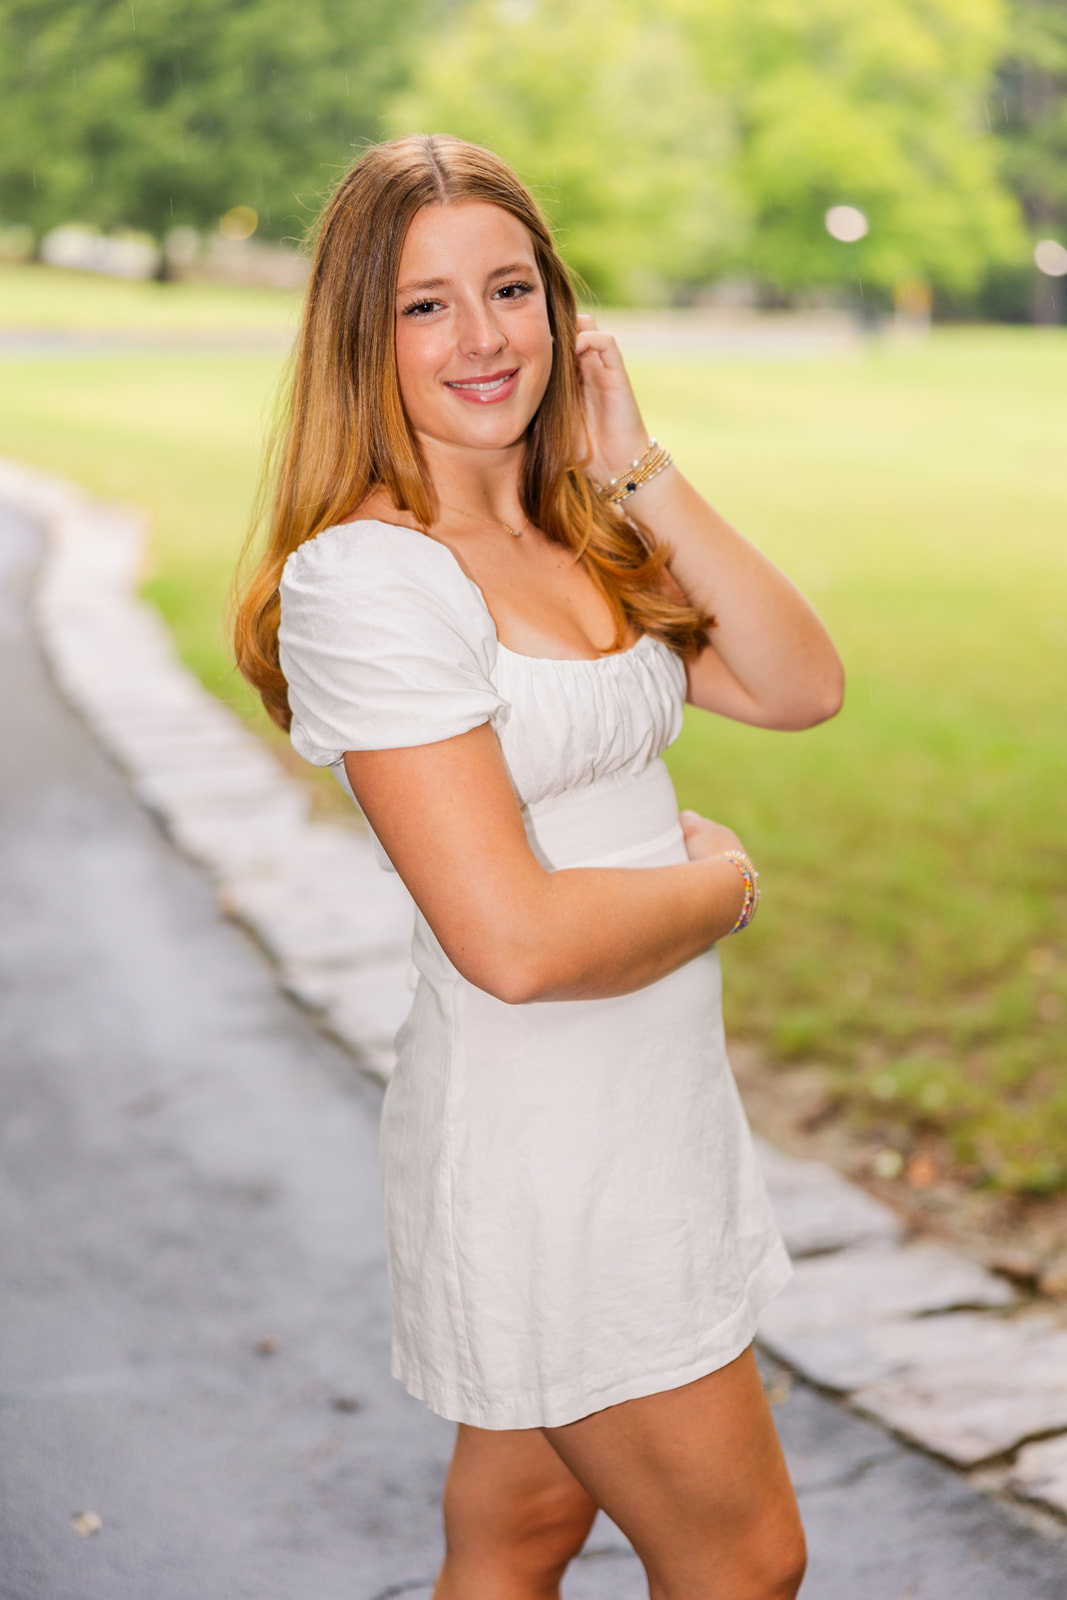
[(542, 1529), (767, 1562), (555, 1523), (780, 1563)]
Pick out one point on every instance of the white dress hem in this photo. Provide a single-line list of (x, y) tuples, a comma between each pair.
[(557, 1407)]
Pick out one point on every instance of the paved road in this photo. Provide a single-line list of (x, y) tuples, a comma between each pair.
[(188, 1171)]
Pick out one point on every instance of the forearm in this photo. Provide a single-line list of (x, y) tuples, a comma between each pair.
[(451, 825), (769, 659), (592, 933), (766, 633)]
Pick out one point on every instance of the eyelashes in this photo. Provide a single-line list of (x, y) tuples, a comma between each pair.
[(507, 292), (515, 291)]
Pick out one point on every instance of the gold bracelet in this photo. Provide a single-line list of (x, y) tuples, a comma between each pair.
[(641, 471)]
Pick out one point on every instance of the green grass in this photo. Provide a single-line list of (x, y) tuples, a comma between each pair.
[(911, 938), (913, 851), (50, 298)]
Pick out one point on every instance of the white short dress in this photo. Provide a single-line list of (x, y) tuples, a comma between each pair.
[(575, 1214)]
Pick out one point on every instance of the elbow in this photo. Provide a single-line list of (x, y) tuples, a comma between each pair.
[(508, 973), (507, 942), (517, 987), (820, 702), (823, 708), (832, 697)]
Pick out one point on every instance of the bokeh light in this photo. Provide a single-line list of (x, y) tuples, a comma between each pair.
[(240, 222), (1050, 257), (846, 223)]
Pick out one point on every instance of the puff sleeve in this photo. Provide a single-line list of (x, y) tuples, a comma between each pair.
[(384, 643)]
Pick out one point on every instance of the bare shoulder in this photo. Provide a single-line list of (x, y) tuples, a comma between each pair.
[(379, 507)]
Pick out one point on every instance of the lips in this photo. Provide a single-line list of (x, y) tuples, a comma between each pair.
[(486, 387)]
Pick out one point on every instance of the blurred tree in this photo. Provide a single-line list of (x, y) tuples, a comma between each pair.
[(1031, 95), (678, 139), (147, 113), (600, 107), (673, 140), (876, 105)]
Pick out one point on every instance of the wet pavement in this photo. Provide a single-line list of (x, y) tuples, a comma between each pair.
[(194, 1338)]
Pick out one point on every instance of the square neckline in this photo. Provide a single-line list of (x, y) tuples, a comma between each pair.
[(518, 655)]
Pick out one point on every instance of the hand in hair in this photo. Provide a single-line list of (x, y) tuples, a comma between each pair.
[(615, 431)]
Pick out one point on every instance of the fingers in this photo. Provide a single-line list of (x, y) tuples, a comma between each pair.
[(603, 343), (591, 339), (615, 431), (704, 837)]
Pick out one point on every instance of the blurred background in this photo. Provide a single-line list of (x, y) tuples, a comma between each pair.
[(832, 238)]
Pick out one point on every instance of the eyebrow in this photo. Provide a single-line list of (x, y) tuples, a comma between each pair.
[(442, 283)]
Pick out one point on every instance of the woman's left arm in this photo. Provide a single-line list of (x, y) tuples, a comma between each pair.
[(769, 660)]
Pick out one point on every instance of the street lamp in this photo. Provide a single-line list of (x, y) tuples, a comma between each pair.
[(846, 224)]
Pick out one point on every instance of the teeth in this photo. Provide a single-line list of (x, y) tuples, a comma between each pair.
[(483, 388)]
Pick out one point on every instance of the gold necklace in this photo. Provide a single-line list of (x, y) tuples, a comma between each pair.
[(485, 516)]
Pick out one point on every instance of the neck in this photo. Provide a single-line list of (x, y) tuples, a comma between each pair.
[(484, 482)]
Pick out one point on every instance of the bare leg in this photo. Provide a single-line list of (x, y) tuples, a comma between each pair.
[(696, 1480), (514, 1517)]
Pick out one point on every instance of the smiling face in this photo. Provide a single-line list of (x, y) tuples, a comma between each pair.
[(473, 344)]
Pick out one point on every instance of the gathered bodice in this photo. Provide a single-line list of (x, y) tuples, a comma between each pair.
[(386, 642), (571, 723)]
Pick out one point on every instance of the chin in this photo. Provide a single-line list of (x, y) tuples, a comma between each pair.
[(494, 434)]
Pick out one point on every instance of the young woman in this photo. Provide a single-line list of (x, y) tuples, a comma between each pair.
[(485, 597)]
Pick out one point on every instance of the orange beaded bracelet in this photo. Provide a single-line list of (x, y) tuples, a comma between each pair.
[(751, 877)]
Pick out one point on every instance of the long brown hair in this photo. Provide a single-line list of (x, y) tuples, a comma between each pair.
[(344, 432)]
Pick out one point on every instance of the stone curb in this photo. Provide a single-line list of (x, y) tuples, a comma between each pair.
[(336, 925), (937, 1348)]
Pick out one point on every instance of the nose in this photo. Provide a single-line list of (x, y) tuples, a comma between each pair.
[(480, 334)]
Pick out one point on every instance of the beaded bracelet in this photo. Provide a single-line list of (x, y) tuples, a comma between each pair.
[(751, 877), (640, 471)]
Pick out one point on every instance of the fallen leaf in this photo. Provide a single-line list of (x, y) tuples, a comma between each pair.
[(921, 1171)]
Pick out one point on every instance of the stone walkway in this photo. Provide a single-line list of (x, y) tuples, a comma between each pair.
[(939, 1350)]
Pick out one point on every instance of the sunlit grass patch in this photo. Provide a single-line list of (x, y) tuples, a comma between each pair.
[(53, 298)]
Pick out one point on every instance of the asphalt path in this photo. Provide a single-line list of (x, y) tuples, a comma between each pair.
[(194, 1328)]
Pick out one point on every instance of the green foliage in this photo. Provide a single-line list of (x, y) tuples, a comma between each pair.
[(672, 142), (1032, 85), (880, 106), (147, 113), (600, 108), (1031, 96), (678, 140)]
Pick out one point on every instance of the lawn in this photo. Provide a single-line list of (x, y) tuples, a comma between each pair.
[(911, 940), (53, 299)]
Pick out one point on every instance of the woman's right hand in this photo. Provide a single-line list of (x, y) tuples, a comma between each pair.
[(704, 838)]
